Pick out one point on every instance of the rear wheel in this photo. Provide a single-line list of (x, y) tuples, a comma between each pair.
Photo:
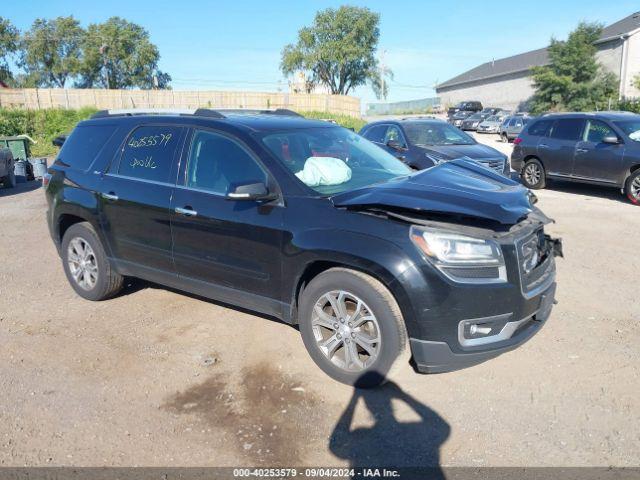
[(86, 265), (504, 137), (632, 187), (9, 181), (533, 175), (351, 326)]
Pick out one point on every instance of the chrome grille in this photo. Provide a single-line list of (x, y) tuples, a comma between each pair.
[(496, 164)]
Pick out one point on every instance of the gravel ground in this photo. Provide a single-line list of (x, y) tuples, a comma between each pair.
[(155, 377)]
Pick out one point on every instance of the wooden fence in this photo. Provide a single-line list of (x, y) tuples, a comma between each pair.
[(42, 98)]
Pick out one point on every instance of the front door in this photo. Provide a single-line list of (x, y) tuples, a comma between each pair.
[(234, 245), (135, 196), (558, 149), (596, 160)]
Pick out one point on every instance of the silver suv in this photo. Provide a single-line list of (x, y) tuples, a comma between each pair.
[(512, 126)]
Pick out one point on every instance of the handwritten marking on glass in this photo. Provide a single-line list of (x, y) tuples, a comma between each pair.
[(146, 162), (160, 140)]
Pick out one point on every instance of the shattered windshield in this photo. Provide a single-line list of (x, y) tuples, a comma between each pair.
[(436, 133), (333, 160)]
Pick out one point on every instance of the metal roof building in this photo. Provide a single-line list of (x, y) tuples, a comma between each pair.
[(506, 82)]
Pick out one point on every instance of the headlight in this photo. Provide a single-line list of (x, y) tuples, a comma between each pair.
[(459, 257), (436, 159)]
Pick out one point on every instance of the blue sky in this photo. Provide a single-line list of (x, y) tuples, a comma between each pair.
[(235, 45)]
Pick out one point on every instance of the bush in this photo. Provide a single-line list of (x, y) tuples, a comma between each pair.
[(41, 125), (342, 120), (628, 105)]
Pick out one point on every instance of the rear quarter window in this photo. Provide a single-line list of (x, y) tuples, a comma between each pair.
[(84, 144), (567, 129), (540, 128), (149, 153)]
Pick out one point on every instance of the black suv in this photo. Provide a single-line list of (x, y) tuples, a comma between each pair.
[(308, 222), (467, 106), (422, 143), (599, 148)]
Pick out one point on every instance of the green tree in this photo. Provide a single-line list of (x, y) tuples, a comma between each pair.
[(9, 37), (119, 54), (51, 51), (338, 50), (573, 80), (636, 81)]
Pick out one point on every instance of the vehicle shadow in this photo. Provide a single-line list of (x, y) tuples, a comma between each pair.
[(413, 446), (133, 285), (609, 193), (20, 188)]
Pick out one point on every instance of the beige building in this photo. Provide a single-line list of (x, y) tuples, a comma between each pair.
[(506, 82)]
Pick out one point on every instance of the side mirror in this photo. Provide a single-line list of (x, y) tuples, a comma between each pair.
[(611, 139), (394, 144), (251, 191)]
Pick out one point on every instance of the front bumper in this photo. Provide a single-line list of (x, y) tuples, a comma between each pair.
[(437, 357)]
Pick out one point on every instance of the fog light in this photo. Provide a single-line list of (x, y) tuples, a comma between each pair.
[(478, 330)]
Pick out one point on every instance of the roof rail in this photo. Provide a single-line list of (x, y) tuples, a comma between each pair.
[(200, 112), (120, 112)]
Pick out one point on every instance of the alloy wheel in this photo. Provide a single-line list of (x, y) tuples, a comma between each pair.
[(635, 188), (346, 330), (82, 263), (532, 174)]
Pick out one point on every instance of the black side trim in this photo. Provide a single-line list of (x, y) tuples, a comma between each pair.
[(239, 298)]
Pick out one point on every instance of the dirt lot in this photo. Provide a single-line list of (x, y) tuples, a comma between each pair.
[(156, 377)]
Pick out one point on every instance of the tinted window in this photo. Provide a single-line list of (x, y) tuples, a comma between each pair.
[(393, 133), (376, 133), (540, 128), (567, 129), (597, 130), (219, 164), (149, 152), (83, 145)]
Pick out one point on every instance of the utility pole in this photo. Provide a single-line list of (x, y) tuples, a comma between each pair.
[(382, 69), (103, 51)]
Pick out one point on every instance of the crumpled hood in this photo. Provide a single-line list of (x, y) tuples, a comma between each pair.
[(457, 187)]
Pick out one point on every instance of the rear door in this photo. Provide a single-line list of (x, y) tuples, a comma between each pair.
[(596, 160), (135, 198), (557, 151), (232, 244)]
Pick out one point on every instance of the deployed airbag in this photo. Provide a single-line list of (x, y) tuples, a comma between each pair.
[(324, 171)]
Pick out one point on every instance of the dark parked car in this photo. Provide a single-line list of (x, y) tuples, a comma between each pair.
[(468, 106), (310, 223), (423, 143), (457, 118), (472, 122), (600, 148)]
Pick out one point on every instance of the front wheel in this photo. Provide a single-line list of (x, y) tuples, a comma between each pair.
[(504, 137), (533, 175), (351, 326), (632, 188)]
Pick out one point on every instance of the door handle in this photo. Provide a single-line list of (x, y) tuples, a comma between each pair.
[(582, 150), (187, 211), (401, 157), (543, 145), (109, 196)]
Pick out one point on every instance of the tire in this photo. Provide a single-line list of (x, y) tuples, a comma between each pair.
[(373, 364), (504, 137), (632, 187), (9, 181), (533, 175), (106, 282)]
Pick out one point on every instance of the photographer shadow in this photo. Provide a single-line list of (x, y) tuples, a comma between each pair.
[(412, 446)]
